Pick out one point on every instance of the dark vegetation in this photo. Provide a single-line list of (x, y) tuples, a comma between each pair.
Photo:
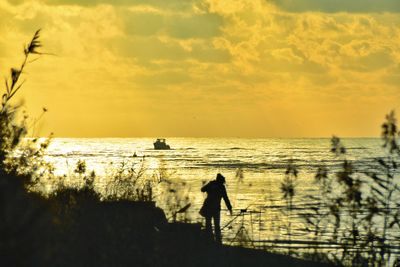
[(76, 227), (358, 206)]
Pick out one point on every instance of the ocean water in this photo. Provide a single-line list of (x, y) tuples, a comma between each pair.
[(254, 170)]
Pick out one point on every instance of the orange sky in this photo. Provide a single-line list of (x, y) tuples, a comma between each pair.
[(207, 68)]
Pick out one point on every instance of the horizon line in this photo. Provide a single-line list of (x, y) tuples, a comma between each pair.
[(215, 137)]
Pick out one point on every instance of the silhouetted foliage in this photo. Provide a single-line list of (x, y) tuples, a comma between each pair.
[(21, 165), (364, 204), (288, 190)]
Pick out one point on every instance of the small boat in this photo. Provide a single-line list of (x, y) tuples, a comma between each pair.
[(161, 144)]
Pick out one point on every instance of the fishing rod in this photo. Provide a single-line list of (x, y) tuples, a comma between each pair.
[(242, 212)]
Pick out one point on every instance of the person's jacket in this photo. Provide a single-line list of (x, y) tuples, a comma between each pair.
[(215, 191)]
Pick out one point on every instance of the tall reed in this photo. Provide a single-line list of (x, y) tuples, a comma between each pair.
[(288, 186)]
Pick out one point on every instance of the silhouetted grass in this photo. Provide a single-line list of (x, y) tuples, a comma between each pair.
[(21, 165), (288, 189), (362, 208)]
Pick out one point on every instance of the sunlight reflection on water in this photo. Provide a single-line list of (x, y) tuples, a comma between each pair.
[(196, 160)]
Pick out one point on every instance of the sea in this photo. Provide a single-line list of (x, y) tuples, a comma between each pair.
[(254, 170)]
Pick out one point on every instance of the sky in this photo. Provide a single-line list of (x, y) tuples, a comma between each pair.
[(207, 68)]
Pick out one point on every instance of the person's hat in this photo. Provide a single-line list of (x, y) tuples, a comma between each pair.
[(220, 178)]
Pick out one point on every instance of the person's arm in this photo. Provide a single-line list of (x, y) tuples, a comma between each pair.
[(205, 188), (226, 199)]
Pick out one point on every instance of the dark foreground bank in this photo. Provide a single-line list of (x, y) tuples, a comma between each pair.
[(74, 228)]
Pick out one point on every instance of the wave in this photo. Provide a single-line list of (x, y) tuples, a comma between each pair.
[(230, 148), (247, 165), (80, 154)]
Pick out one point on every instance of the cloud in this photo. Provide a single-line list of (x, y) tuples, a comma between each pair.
[(195, 26), (171, 4), (174, 25), (287, 55), (333, 6), (143, 23), (209, 59)]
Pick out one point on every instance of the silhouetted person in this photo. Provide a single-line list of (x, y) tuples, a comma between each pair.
[(212, 205)]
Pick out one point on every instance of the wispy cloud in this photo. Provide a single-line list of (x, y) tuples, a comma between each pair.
[(332, 6)]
